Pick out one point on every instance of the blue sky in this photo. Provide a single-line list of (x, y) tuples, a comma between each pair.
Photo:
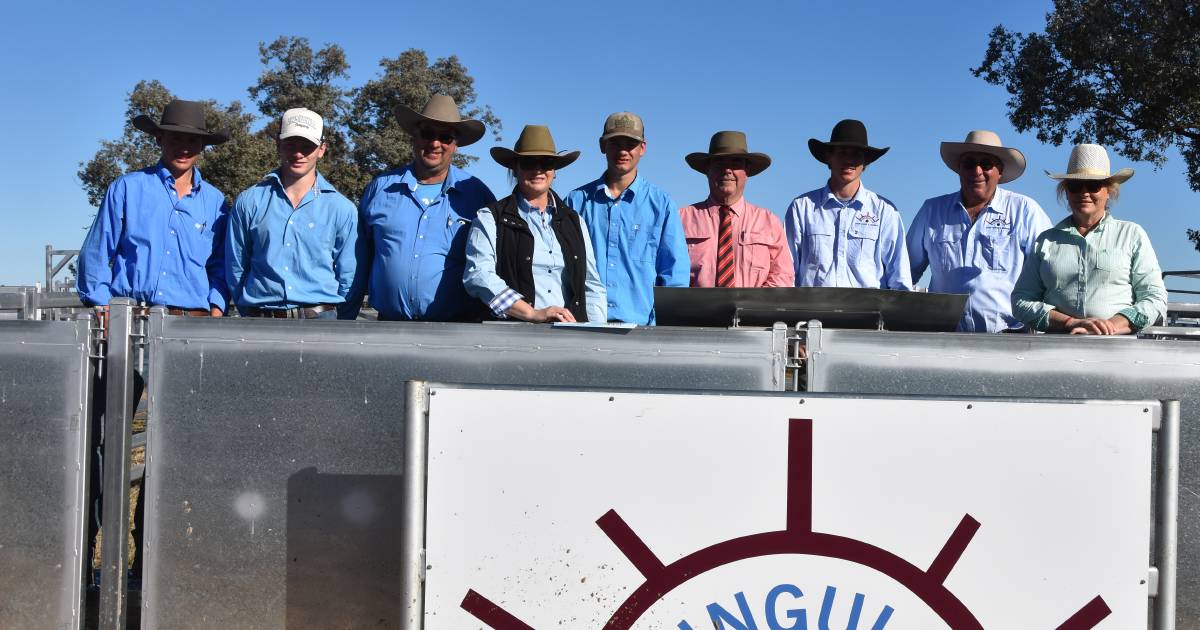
[(782, 72)]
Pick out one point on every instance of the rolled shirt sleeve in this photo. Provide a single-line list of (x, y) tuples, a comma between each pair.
[(1149, 291)]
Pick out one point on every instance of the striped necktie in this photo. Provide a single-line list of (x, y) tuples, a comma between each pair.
[(725, 249)]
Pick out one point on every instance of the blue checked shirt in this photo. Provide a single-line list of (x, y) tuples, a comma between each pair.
[(149, 245), (858, 244), (411, 255), (982, 259), (278, 256), (549, 270), (639, 244)]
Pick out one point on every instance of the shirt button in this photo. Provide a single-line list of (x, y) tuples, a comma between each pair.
[(285, 268), (168, 253), (291, 222), (416, 255), (164, 273), (288, 244), (420, 236), (172, 231)]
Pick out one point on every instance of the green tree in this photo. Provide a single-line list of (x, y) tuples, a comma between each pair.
[(1121, 73), (359, 125)]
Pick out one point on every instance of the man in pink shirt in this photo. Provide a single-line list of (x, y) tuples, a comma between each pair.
[(733, 243)]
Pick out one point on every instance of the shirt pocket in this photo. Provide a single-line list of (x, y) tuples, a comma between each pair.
[(198, 242), (643, 241), (863, 238), (1112, 266), (756, 255), (998, 253), (818, 247)]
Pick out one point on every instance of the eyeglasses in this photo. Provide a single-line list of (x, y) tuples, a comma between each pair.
[(442, 135), (1091, 185), (535, 163), (984, 164)]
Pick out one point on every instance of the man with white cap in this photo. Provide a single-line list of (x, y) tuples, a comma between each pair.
[(975, 240), (634, 225), (414, 222), (290, 251)]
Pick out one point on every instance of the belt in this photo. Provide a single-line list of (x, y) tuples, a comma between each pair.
[(190, 312), (300, 312)]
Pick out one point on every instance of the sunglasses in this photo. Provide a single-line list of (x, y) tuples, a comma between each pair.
[(1092, 186), (443, 136), (535, 163), (984, 164)]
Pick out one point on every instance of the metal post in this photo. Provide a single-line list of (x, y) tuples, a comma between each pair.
[(812, 346), (118, 437), (412, 549), (1166, 524)]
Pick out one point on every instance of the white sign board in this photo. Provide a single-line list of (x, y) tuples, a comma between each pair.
[(551, 509)]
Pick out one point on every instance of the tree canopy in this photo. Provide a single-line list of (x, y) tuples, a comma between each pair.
[(360, 129), (1121, 73)]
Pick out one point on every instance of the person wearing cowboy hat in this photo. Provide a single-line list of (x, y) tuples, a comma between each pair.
[(974, 240), (843, 235), (634, 225), (731, 242), (1091, 274), (290, 251), (413, 223), (158, 237), (529, 256)]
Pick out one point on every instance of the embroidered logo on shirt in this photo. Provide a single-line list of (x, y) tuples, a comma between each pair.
[(998, 221), (866, 216)]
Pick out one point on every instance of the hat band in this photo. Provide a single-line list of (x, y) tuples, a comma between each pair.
[(1090, 171)]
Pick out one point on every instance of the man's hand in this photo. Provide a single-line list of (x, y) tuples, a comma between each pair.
[(215, 311), (102, 317)]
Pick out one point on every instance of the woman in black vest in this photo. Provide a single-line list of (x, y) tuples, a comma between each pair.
[(528, 255)]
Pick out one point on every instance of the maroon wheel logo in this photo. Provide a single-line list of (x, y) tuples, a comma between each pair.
[(797, 538)]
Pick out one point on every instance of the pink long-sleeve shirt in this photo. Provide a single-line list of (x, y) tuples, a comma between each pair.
[(760, 253)]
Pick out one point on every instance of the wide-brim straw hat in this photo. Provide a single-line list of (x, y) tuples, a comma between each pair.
[(986, 142), (535, 141), (729, 144), (1090, 162), (847, 133), (182, 117), (442, 110)]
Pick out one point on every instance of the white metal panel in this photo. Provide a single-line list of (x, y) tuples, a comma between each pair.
[(564, 508)]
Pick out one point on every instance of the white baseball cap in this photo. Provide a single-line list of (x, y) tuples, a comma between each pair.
[(303, 123)]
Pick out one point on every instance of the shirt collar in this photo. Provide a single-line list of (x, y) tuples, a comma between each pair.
[(408, 178), (600, 188), (1067, 225), (320, 186), (524, 206), (167, 178), (831, 200), (738, 206)]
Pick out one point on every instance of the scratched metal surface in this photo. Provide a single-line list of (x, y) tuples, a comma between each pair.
[(43, 449), (1041, 366), (274, 448)]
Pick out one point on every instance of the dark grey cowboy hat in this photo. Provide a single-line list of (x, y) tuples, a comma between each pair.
[(847, 133), (182, 117), (535, 141), (729, 144), (441, 109)]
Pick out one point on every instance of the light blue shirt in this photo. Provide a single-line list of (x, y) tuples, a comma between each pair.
[(857, 244), (982, 259), (278, 256), (149, 245), (639, 244), (549, 270), (411, 255)]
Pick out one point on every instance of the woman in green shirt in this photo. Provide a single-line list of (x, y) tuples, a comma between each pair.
[(1091, 274)]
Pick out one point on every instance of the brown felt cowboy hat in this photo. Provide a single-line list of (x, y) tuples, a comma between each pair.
[(988, 143), (729, 144), (442, 110), (847, 133), (535, 141), (182, 117)]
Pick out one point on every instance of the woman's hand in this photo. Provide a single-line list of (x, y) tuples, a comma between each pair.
[(552, 314)]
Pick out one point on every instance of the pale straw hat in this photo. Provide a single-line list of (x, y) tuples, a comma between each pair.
[(1090, 162)]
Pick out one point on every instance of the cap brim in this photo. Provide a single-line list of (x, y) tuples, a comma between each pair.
[(508, 158), (1012, 159), (467, 131), (819, 149), (755, 162), (618, 134)]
